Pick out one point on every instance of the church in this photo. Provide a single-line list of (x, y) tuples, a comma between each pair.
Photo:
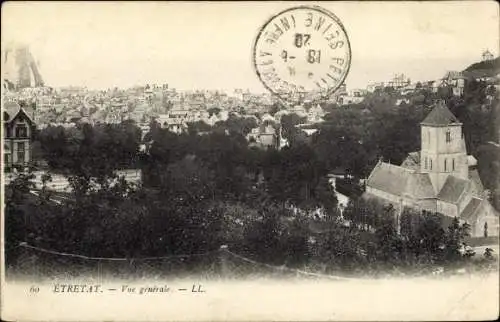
[(440, 178)]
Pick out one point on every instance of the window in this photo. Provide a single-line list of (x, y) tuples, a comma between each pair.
[(425, 163), (448, 136), (453, 164), (21, 131), (430, 164), (445, 164), (429, 137), (21, 153)]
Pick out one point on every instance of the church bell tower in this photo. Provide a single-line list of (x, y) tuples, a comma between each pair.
[(443, 150)]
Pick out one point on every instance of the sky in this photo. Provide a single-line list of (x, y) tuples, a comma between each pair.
[(209, 45)]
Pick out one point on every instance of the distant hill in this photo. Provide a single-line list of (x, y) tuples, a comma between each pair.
[(487, 68)]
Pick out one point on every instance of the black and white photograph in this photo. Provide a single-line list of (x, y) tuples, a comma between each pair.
[(250, 161)]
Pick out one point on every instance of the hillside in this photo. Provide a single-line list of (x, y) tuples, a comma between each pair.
[(487, 68)]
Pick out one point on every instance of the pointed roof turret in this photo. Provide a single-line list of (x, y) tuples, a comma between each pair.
[(440, 116)]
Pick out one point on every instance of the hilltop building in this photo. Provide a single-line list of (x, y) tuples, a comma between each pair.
[(439, 178), (487, 55)]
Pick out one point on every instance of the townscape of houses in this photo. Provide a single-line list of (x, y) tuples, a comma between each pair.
[(175, 109)]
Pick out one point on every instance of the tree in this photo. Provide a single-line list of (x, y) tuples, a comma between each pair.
[(288, 127), (431, 237), (214, 111), (275, 107), (262, 237), (368, 214), (91, 151), (389, 244), (198, 126), (454, 239), (341, 248), (292, 175)]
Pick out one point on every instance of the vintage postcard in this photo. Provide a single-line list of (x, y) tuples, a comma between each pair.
[(250, 161)]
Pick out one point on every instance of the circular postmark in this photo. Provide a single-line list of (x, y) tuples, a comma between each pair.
[(302, 51)]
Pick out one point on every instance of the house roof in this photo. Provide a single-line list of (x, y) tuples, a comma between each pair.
[(454, 75), (471, 209), (389, 178), (13, 108), (452, 189), (440, 115)]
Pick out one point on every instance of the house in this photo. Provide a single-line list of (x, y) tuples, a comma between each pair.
[(300, 110), (18, 129), (399, 81), (374, 86), (455, 80), (176, 121), (434, 85), (345, 100), (408, 89), (316, 114), (264, 136), (266, 117), (354, 96), (440, 178)]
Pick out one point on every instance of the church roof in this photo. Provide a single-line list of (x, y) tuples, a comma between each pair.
[(471, 161), (399, 181), (412, 161), (419, 186), (471, 209), (389, 178), (452, 189), (440, 115), (476, 180)]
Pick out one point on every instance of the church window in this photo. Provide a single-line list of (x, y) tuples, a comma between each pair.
[(430, 164), (445, 164), (448, 136), (453, 165)]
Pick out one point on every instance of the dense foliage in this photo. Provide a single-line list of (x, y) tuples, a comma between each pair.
[(206, 188)]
